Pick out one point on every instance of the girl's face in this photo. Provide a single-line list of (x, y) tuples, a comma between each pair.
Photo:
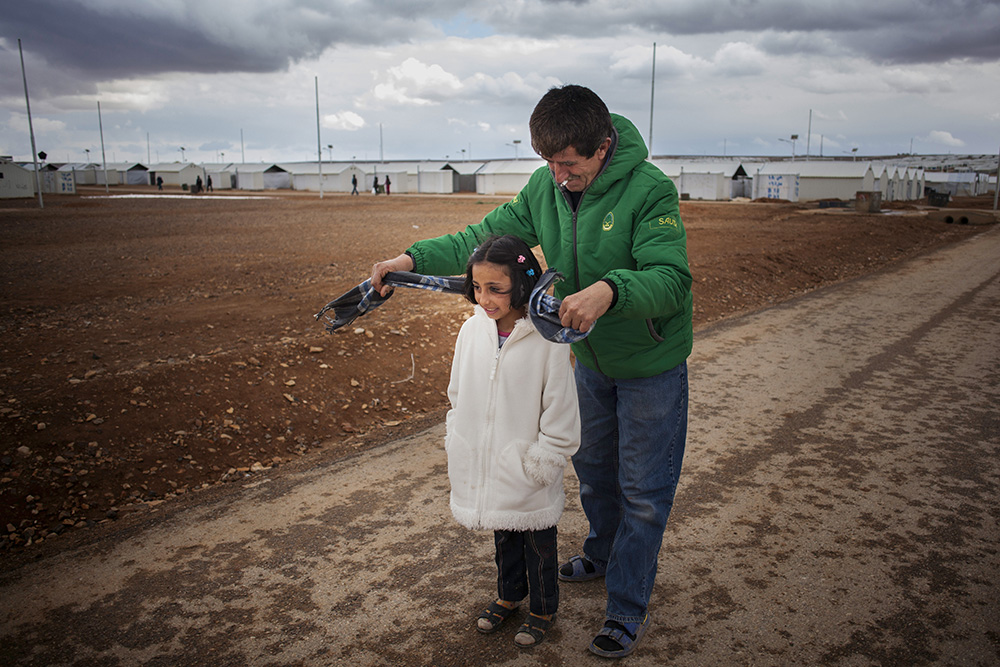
[(492, 286)]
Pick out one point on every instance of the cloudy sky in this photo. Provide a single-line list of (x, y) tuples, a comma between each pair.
[(457, 78)]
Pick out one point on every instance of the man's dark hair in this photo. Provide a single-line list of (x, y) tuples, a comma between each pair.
[(569, 116), (514, 255)]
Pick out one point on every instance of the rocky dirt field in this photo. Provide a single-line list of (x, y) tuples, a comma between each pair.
[(153, 347)]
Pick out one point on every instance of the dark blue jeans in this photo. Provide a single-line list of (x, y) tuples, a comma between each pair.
[(632, 445), (528, 562)]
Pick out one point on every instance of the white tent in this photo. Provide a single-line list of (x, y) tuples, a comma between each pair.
[(814, 180), (15, 181), (772, 182), (464, 179), (125, 173), (709, 180), (176, 173), (505, 177), (83, 173), (955, 183), (223, 175), (262, 176)]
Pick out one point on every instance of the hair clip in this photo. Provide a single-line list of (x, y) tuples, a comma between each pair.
[(530, 272), (520, 259)]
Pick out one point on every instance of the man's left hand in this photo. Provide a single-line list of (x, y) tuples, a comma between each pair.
[(582, 309)]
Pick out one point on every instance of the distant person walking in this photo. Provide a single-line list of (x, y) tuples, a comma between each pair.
[(375, 186), (208, 185), (197, 185), (387, 184), (159, 182), (354, 184)]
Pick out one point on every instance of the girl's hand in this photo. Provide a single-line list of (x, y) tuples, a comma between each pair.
[(402, 263)]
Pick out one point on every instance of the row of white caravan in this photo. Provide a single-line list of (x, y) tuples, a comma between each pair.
[(705, 179)]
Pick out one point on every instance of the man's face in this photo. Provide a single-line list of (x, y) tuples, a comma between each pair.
[(578, 172)]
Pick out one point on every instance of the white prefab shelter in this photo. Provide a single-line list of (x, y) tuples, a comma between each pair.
[(305, 176), (775, 180), (505, 177), (176, 174), (262, 176), (956, 183), (464, 175), (834, 180), (895, 181), (58, 183), (223, 175), (15, 181), (414, 176), (83, 173), (818, 180), (125, 173), (881, 173), (440, 181), (712, 181), (396, 171)]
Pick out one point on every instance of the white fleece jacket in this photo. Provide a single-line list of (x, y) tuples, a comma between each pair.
[(514, 419)]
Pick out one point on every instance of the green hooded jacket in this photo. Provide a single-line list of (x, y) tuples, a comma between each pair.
[(627, 229)]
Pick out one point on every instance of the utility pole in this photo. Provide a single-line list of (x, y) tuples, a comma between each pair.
[(319, 143), (809, 133), (104, 157), (997, 190), (652, 89), (31, 130)]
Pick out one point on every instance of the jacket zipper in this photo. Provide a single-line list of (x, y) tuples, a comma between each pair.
[(576, 255), (490, 419)]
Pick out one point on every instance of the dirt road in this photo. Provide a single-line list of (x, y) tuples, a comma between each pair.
[(838, 506)]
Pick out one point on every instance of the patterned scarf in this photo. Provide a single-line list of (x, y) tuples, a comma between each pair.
[(543, 309)]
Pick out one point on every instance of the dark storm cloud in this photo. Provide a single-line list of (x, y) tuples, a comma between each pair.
[(107, 40), (901, 31)]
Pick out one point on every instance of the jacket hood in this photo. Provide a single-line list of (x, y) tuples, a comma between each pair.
[(628, 150)]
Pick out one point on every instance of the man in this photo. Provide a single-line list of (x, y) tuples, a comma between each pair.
[(609, 221)]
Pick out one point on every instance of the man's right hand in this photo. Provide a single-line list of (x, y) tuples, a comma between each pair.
[(402, 263)]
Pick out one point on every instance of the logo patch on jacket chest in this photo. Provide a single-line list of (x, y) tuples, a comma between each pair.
[(609, 222)]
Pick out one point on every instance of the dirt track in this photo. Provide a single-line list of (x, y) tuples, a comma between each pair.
[(837, 507), (154, 348)]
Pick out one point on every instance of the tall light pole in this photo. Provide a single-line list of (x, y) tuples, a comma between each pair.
[(319, 142), (31, 130), (652, 88), (809, 133), (329, 151), (182, 154), (792, 142), (104, 155)]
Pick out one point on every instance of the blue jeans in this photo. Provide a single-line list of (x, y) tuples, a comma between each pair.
[(632, 445)]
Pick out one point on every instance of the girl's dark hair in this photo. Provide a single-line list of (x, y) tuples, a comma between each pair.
[(513, 254), (569, 116)]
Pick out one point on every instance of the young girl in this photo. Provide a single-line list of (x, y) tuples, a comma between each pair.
[(514, 419)]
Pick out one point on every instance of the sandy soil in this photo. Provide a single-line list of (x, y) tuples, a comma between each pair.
[(153, 347)]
